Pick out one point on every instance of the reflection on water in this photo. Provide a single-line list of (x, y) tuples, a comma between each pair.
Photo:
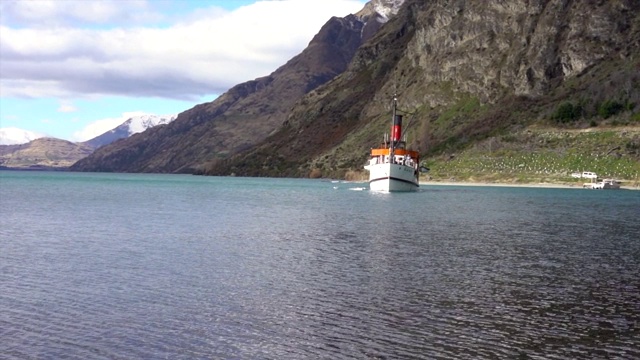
[(140, 266)]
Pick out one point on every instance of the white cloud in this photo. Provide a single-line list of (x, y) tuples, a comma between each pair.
[(48, 13), (15, 136), (101, 126), (66, 107), (206, 52)]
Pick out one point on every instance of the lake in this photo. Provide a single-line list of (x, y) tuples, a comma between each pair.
[(149, 266)]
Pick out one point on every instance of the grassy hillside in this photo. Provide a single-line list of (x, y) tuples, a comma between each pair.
[(538, 154), (582, 126), (589, 123), (43, 153)]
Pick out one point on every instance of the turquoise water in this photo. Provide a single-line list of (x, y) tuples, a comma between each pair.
[(106, 266)]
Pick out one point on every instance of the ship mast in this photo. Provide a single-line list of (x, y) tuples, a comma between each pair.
[(396, 130), (392, 143)]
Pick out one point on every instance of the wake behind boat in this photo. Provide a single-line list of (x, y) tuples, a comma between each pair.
[(393, 167)]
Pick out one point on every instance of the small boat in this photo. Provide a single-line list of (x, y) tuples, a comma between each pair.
[(391, 166), (602, 184)]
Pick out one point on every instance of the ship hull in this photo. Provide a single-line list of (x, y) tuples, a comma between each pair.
[(392, 177)]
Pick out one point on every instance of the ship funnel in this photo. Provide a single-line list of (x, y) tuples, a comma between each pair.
[(396, 130)]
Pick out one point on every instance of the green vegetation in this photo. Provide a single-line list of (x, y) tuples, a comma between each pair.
[(458, 112), (544, 156), (526, 167), (567, 112), (610, 108)]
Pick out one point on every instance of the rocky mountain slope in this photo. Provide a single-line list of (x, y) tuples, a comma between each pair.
[(248, 112), (466, 72)]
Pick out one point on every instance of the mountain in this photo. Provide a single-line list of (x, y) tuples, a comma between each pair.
[(480, 81), (380, 10), (247, 113), (15, 136), (42, 153), (498, 78), (28, 150), (135, 124)]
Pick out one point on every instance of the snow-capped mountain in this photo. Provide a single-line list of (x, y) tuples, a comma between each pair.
[(387, 8), (376, 13), (382, 9), (15, 136), (22, 149), (141, 123), (133, 125)]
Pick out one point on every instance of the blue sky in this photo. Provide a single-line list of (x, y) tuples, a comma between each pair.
[(73, 69)]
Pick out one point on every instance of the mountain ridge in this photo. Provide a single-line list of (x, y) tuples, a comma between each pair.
[(44, 153), (35, 151), (244, 115), (133, 125), (468, 72), (450, 72)]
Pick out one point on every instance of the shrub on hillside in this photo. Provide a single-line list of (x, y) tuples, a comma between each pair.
[(610, 108), (567, 112)]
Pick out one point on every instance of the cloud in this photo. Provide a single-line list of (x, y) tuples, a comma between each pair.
[(15, 136), (50, 13), (204, 52), (67, 107)]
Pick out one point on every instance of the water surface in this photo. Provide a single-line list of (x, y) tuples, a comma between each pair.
[(108, 266)]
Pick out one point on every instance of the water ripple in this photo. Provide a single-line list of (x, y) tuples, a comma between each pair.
[(184, 268)]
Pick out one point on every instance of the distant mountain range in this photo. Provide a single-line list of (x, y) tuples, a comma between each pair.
[(23, 149), (42, 154)]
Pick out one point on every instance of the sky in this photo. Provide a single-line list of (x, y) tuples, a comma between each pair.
[(74, 69)]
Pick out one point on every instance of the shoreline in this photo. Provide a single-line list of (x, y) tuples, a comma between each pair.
[(524, 185)]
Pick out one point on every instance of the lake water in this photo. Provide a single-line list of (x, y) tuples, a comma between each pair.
[(132, 266)]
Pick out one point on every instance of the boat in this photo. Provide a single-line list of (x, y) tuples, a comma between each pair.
[(602, 184), (393, 167)]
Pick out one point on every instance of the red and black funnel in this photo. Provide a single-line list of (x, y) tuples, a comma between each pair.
[(396, 129)]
